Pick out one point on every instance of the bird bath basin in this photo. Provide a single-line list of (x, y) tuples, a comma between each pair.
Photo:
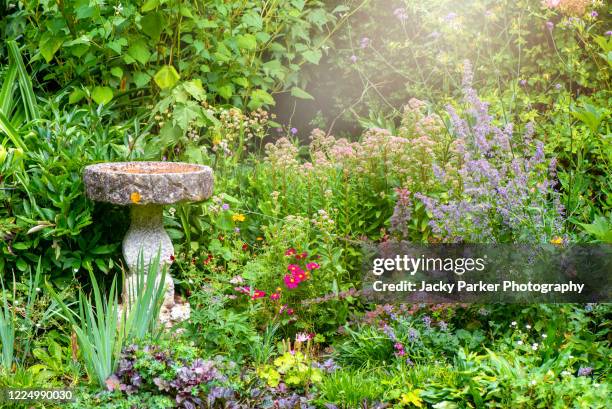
[(146, 187)]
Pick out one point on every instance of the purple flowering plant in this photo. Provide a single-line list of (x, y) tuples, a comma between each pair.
[(498, 185)]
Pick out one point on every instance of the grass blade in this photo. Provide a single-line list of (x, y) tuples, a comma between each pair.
[(11, 132), (25, 84), (8, 86)]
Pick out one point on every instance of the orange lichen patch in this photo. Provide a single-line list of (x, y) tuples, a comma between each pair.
[(135, 197)]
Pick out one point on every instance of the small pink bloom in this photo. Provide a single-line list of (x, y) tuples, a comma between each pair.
[(299, 276), (275, 296), (301, 256), (293, 267), (289, 311), (312, 266), (291, 282), (301, 337), (290, 252), (258, 294)]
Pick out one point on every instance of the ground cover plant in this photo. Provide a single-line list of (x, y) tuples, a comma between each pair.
[(330, 127)]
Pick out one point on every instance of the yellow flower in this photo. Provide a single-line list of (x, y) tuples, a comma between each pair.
[(135, 197), (557, 240), (259, 238), (238, 217)]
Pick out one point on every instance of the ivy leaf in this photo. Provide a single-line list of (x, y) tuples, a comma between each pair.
[(48, 45), (300, 93), (166, 77), (140, 52), (102, 95)]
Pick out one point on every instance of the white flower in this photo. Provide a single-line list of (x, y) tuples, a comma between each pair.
[(571, 357), (520, 342), (533, 382), (534, 346), (118, 9), (596, 385), (513, 324), (528, 326), (565, 373), (544, 336), (301, 337)]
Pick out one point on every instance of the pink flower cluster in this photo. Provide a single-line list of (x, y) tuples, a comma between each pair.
[(297, 274)]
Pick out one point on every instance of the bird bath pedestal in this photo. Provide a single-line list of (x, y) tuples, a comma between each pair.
[(146, 187)]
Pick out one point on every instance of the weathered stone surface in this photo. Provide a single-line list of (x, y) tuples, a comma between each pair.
[(146, 186), (126, 183)]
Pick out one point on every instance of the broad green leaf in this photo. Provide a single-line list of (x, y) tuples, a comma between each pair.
[(195, 89), (300, 93), (166, 77), (102, 95), (141, 78), (152, 25), (243, 82), (140, 52), (76, 95), (312, 56), (149, 5), (48, 45), (246, 42), (226, 91), (260, 97), (185, 11), (117, 72)]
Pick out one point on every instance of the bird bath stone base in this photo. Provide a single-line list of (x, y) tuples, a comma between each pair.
[(146, 187)]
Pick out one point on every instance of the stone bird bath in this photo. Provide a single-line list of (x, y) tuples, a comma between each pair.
[(146, 187)]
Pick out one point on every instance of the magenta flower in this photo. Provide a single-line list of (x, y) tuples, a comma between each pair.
[(290, 252), (312, 266), (293, 267), (275, 296), (258, 294), (291, 282), (299, 275)]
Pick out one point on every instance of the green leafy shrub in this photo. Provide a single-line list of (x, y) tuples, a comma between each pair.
[(242, 51)]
